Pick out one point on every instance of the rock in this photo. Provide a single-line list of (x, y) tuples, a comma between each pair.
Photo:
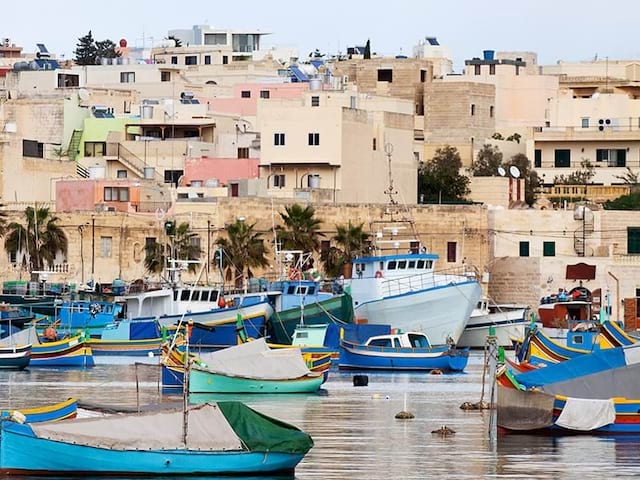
[(403, 415), (444, 431)]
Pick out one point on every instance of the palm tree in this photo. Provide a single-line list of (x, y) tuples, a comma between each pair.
[(40, 240), (300, 230), (242, 248), (185, 247), (352, 241)]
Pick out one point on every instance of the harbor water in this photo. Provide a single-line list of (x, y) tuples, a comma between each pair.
[(355, 431)]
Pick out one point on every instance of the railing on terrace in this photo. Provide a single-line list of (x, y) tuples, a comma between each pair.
[(626, 259), (424, 281)]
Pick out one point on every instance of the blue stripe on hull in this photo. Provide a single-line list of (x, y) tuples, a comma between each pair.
[(64, 361), (21, 452)]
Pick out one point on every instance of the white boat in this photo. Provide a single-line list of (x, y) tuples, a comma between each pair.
[(508, 322)]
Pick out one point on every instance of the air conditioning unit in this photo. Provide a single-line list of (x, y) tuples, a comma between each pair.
[(101, 207), (110, 208)]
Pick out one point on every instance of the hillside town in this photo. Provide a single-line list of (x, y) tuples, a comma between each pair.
[(208, 129)]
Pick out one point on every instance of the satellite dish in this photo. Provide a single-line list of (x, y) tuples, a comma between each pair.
[(501, 171), (84, 94), (514, 171)]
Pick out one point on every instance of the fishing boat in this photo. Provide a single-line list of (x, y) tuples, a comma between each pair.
[(253, 367), (596, 393), (221, 438), (401, 351), (47, 413), (507, 322), (71, 351), (15, 357)]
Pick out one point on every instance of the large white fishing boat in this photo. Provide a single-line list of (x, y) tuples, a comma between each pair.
[(398, 284), (506, 321)]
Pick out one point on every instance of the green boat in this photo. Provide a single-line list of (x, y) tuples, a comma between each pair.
[(253, 367), (335, 309)]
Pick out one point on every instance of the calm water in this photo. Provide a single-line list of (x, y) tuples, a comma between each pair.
[(356, 435)]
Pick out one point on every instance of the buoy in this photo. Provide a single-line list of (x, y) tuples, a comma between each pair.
[(444, 431), (475, 406), (378, 274), (360, 380)]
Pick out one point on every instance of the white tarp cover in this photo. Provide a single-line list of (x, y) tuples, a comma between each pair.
[(257, 361), (23, 337), (586, 414), (632, 354), (208, 430)]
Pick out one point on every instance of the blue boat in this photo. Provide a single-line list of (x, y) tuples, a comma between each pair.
[(224, 438), (48, 413), (403, 351), (70, 351)]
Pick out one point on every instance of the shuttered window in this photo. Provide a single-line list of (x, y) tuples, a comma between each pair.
[(524, 249), (633, 239)]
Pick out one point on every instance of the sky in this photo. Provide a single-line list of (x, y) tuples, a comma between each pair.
[(568, 30)]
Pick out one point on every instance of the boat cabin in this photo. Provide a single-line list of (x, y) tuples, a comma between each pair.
[(295, 293), (393, 266), (400, 340)]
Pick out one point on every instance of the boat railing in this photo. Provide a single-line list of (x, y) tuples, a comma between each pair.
[(427, 280)]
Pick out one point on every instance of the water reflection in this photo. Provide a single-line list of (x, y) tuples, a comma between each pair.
[(354, 429)]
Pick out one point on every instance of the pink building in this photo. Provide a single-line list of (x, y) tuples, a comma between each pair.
[(245, 97), (204, 169)]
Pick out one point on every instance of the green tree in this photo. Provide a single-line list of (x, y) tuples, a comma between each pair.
[(243, 248), (625, 202), (439, 179), (351, 242), (106, 49), (86, 52), (367, 50), (39, 238), (183, 242), (301, 230), (578, 177), (530, 176), (489, 159)]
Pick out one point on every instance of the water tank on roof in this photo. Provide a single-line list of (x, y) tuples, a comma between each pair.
[(488, 54), (315, 84), (146, 111)]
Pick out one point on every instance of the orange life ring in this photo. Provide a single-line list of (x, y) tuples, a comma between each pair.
[(378, 274), (221, 302), (50, 334)]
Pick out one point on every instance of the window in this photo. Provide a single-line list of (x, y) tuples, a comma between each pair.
[(243, 152), (127, 77), (245, 94), (278, 180), (492, 69), (633, 240), (375, 145), (585, 122), (165, 76), (225, 59), (473, 109), (207, 59), (562, 158), (174, 60), (549, 249), (105, 246), (391, 265), (172, 176), (121, 174), (491, 111), (423, 76), (116, 194), (451, 252), (325, 246), (385, 75), (94, 149), (264, 94), (215, 38), (315, 101), (614, 158), (32, 148), (524, 249), (537, 159), (314, 139), (476, 69), (278, 139), (127, 106), (191, 60)]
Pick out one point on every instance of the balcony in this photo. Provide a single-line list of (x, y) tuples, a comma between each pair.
[(626, 132)]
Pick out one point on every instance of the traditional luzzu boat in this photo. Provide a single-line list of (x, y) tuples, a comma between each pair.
[(72, 351), (537, 348), (15, 357), (596, 393), (47, 413), (405, 351), (253, 367), (224, 438)]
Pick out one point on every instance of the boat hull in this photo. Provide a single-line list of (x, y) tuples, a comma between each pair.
[(359, 357), (504, 329), (129, 348), (70, 352), (47, 413), (15, 358), (203, 381), (23, 453), (440, 312)]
